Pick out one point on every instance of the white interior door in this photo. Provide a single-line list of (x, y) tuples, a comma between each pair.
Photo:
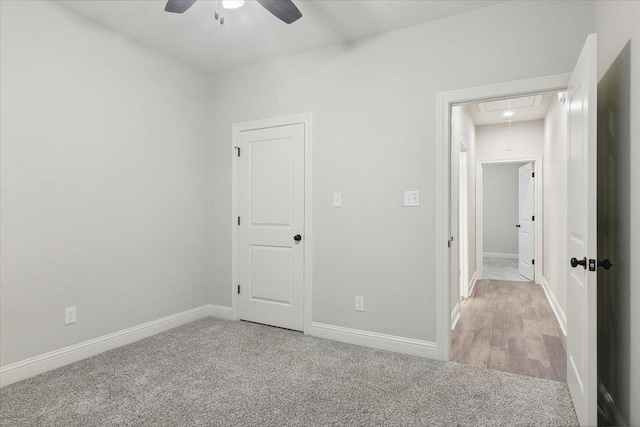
[(526, 230), (581, 215), (271, 225)]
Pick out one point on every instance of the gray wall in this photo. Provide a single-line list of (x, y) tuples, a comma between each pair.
[(617, 23), (374, 131), (500, 208), (106, 174), (526, 140)]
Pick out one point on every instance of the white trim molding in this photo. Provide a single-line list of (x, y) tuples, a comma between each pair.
[(499, 255), (306, 120), (33, 366), (472, 283), (375, 340), (555, 305), (445, 101), (455, 316), (220, 312)]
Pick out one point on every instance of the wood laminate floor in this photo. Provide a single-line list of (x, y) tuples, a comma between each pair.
[(510, 327)]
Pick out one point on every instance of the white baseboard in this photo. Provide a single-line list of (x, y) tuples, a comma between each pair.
[(455, 316), (33, 366), (555, 306), (220, 311), (499, 255), (472, 283), (375, 340)]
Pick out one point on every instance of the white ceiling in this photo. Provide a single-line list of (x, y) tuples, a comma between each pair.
[(251, 34), (532, 107)]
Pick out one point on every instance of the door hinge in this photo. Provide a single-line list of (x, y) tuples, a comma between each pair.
[(533, 174), (533, 262), (448, 243), (238, 289), (238, 220), (533, 217), (238, 148)]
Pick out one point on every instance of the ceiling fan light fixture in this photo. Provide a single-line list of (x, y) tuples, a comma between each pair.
[(232, 4), (284, 10)]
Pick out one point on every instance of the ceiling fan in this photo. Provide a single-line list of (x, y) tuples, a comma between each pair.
[(284, 10)]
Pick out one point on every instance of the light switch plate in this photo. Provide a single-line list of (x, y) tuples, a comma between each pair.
[(412, 198), (337, 200)]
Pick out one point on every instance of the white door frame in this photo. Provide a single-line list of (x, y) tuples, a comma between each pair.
[(463, 219), (307, 241), (445, 101), (537, 168)]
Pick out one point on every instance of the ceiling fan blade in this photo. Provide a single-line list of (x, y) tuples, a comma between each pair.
[(284, 10), (178, 6)]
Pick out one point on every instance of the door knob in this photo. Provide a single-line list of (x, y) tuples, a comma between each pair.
[(582, 262), (606, 264), (297, 237), (517, 225)]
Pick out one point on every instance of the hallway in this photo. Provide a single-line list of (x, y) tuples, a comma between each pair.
[(510, 327)]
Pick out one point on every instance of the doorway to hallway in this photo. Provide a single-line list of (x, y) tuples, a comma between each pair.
[(578, 302), (506, 321)]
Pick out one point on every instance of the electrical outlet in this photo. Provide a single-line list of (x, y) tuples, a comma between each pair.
[(69, 315), (359, 303)]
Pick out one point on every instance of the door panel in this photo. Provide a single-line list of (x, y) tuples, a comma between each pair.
[(581, 214), (271, 208), (271, 278), (271, 182), (526, 232)]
